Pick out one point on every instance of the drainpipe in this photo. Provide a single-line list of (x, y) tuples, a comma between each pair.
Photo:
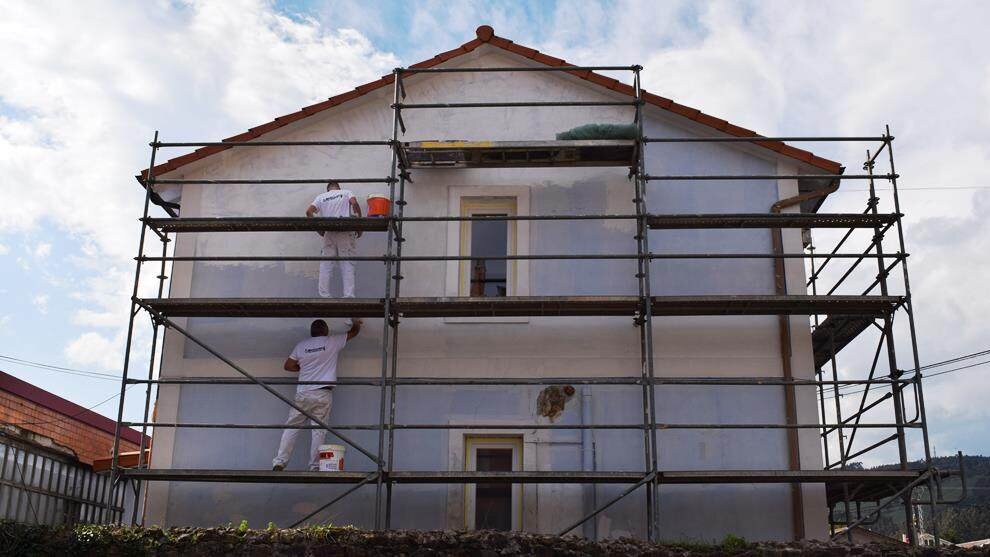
[(784, 325), (588, 464)]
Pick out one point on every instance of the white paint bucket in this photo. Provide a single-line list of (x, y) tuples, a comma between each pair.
[(332, 458)]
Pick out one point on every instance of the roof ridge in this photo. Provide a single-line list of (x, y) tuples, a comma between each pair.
[(485, 34)]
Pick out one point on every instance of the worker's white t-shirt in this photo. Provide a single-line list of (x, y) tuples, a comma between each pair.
[(334, 203), (317, 357)]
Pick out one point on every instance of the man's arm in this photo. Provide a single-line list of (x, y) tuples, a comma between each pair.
[(356, 212), (290, 364), (311, 210), (355, 329)]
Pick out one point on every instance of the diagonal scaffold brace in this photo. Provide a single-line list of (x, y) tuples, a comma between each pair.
[(172, 325)]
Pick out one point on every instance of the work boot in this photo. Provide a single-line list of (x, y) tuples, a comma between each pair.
[(278, 468)]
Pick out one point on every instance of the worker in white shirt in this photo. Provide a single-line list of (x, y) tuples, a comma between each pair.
[(336, 203), (316, 360)]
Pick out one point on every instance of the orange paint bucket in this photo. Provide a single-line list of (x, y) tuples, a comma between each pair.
[(379, 205)]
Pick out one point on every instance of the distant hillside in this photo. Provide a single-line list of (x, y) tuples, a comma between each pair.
[(965, 521)]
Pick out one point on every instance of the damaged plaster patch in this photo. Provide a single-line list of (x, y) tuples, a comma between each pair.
[(550, 403)]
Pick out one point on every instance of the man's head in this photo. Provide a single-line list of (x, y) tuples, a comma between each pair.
[(319, 329), (331, 185)]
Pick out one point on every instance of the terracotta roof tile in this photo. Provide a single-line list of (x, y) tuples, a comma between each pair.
[(485, 34)]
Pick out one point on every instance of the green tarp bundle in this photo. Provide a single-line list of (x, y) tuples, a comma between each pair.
[(600, 131)]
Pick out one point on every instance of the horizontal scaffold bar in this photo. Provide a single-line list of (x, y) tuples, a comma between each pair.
[(446, 477), (274, 181), (676, 177), (380, 224), (163, 144), (504, 381), (513, 427), (404, 106), (756, 139), (525, 306), (522, 69), (537, 257), (267, 224)]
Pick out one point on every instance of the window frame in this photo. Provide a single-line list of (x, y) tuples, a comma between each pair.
[(471, 444), (486, 205), (464, 200)]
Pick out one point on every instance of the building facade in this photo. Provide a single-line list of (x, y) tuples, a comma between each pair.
[(723, 346)]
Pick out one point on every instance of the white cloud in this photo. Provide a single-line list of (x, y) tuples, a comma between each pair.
[(5, 320), (41, 302), (94, 349), (4, 250), (42, 250), (82, 88)]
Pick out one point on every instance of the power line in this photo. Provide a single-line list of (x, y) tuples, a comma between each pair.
[(919, 188), (943, 372), (928, 366), (73, 416), (60, 369)]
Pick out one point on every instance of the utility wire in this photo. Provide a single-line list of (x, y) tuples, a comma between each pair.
[(943, 372), (60, 369), (76, 415), (930, 366)]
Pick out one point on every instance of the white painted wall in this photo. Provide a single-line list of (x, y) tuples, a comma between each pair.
[(606, 346)]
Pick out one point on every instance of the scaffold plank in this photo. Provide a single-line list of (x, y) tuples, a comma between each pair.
[(524, 306), (835, 333), (267, 307), (518, 306), (268, 224), (774, 305), (769, 220), (862, 484), (501, 154)]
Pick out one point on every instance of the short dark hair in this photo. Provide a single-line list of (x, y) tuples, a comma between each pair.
[(319, 328), (332, 183)]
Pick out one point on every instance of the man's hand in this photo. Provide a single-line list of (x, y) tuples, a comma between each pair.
[(355, 329), (290, 365)]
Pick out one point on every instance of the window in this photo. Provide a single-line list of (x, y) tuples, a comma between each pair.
[(488, 238), (494, 506)]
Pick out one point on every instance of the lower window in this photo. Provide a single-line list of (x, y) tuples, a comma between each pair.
[(496, 505)]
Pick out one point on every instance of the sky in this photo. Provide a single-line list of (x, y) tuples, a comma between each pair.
[(84, 85)]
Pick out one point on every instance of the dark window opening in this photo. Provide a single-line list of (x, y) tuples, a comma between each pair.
[(489, 239), (493, 502)]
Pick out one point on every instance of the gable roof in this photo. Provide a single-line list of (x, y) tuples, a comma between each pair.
[(67, 408), (486, 35)]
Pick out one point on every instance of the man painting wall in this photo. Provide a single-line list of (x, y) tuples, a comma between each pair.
[(336, 203), (315, 359)]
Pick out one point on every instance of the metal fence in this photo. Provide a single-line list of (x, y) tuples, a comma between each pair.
[(39, 486)]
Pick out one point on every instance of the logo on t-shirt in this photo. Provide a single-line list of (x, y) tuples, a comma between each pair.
[(311, 350)]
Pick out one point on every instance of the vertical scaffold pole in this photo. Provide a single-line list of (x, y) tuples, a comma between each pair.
[(895, 373), (151, 375), (115, 459), (388, 299), (399, 240), (646, 325), (909, 308)]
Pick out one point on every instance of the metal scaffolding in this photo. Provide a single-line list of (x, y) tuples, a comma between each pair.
[(847, 317)]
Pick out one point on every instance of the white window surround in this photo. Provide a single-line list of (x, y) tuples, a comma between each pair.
[(457, 457), (519, 277), (471, 445)]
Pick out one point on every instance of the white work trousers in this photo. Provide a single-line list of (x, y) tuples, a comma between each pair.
[(317, 402), (338, 244)]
